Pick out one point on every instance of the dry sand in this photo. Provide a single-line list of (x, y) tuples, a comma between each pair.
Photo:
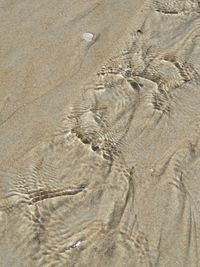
[(99, 133)]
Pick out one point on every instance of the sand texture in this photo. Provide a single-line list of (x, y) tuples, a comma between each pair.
[(100, 133)]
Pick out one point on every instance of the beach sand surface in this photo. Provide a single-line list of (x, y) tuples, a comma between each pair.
[(99, 133)]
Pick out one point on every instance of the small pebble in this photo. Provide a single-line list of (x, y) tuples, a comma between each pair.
[(87, 36)]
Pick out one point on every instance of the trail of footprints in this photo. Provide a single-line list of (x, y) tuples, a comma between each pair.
[(75, 204)]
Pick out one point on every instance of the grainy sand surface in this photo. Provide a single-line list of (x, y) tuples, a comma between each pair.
[(100, 133)]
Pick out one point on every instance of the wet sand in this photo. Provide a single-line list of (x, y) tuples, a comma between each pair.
[(99, 134)]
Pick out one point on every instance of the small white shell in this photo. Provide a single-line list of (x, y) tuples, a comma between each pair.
[(76, 244), (87, 36)]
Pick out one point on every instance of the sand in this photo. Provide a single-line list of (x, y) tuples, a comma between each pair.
[(99, 133)]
